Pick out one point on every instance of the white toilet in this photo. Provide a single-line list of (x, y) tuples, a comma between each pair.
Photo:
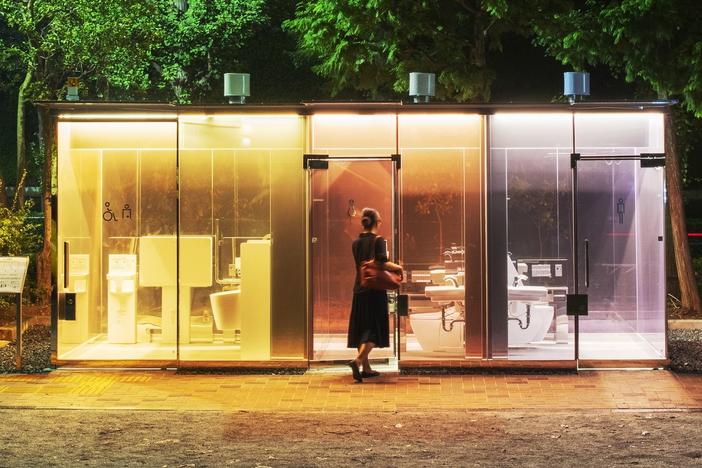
[(528, 311), (540, 318), (430, 334), (225, 310)]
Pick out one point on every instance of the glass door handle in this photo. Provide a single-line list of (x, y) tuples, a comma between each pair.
[(66, 255), (587, 263)]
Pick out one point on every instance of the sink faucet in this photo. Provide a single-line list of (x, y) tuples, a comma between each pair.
[(451, 279)]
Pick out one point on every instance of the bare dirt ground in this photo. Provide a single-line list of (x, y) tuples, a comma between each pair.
[(169, 439)]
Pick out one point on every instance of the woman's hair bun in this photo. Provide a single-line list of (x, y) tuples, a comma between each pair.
[(370, 218)]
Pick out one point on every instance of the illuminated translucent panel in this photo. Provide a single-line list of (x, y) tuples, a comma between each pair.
[(117, 117), (533, 130), (530, 235), (440, 130), (240, 131), (353, 134), (619, 133), (118, 135), (238, 189), (116, 184), (440, 159), (620, 234)]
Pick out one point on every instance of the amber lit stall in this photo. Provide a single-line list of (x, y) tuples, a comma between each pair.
[(181, 239)]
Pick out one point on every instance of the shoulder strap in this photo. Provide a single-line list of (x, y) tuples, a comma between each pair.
[(375, 238)]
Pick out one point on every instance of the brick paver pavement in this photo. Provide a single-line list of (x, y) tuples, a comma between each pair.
[(166, 390)]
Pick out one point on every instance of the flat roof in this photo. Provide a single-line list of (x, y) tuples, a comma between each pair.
[(313, 107)]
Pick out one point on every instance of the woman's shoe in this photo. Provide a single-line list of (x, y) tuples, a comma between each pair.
[(369, 374), (357, 376)]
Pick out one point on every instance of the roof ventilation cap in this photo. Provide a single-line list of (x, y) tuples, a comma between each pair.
[(237, 87), (422, 86), (576, 85)]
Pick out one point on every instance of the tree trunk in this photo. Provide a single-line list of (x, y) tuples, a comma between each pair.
[(3, 194), (47, 126), (690, 296), (21, 142)]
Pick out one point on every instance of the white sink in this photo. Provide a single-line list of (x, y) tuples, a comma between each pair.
[(445, 293), (528, 294)]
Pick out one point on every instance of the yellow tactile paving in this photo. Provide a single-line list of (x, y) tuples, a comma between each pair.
[(335, 392)]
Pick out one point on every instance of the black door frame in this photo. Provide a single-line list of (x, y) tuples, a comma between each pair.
[(577, 304), (321, 161)]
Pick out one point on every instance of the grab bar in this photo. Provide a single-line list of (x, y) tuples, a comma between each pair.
[(217, 245)]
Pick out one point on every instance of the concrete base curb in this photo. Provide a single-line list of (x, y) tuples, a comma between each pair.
[(685, 324)]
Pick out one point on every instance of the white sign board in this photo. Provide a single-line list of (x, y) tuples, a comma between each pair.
[(13, 271)]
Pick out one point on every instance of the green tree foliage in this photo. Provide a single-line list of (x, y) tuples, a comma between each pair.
[(18, 236), (200, 40), (128, 49), (106, 43), (372, 45), (657, 41)]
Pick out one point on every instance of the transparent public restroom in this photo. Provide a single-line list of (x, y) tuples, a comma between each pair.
[(220, 236)]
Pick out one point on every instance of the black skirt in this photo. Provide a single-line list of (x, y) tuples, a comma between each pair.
[(369, 319)]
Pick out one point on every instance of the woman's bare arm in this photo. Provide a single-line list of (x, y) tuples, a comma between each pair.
[(390, 266)]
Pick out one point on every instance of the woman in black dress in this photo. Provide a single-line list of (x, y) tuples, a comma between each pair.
[(368, 324)]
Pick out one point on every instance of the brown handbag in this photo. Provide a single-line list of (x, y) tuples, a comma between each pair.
[(373, 276)]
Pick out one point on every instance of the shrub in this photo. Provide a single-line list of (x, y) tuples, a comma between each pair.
[(20, 236)]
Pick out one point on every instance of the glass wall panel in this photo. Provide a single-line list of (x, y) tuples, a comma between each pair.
[(440, 159), (620, 236), (230, 298), (116, 187), (529, 236)]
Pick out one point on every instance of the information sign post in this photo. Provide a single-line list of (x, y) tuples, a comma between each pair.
[(13, 272)]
